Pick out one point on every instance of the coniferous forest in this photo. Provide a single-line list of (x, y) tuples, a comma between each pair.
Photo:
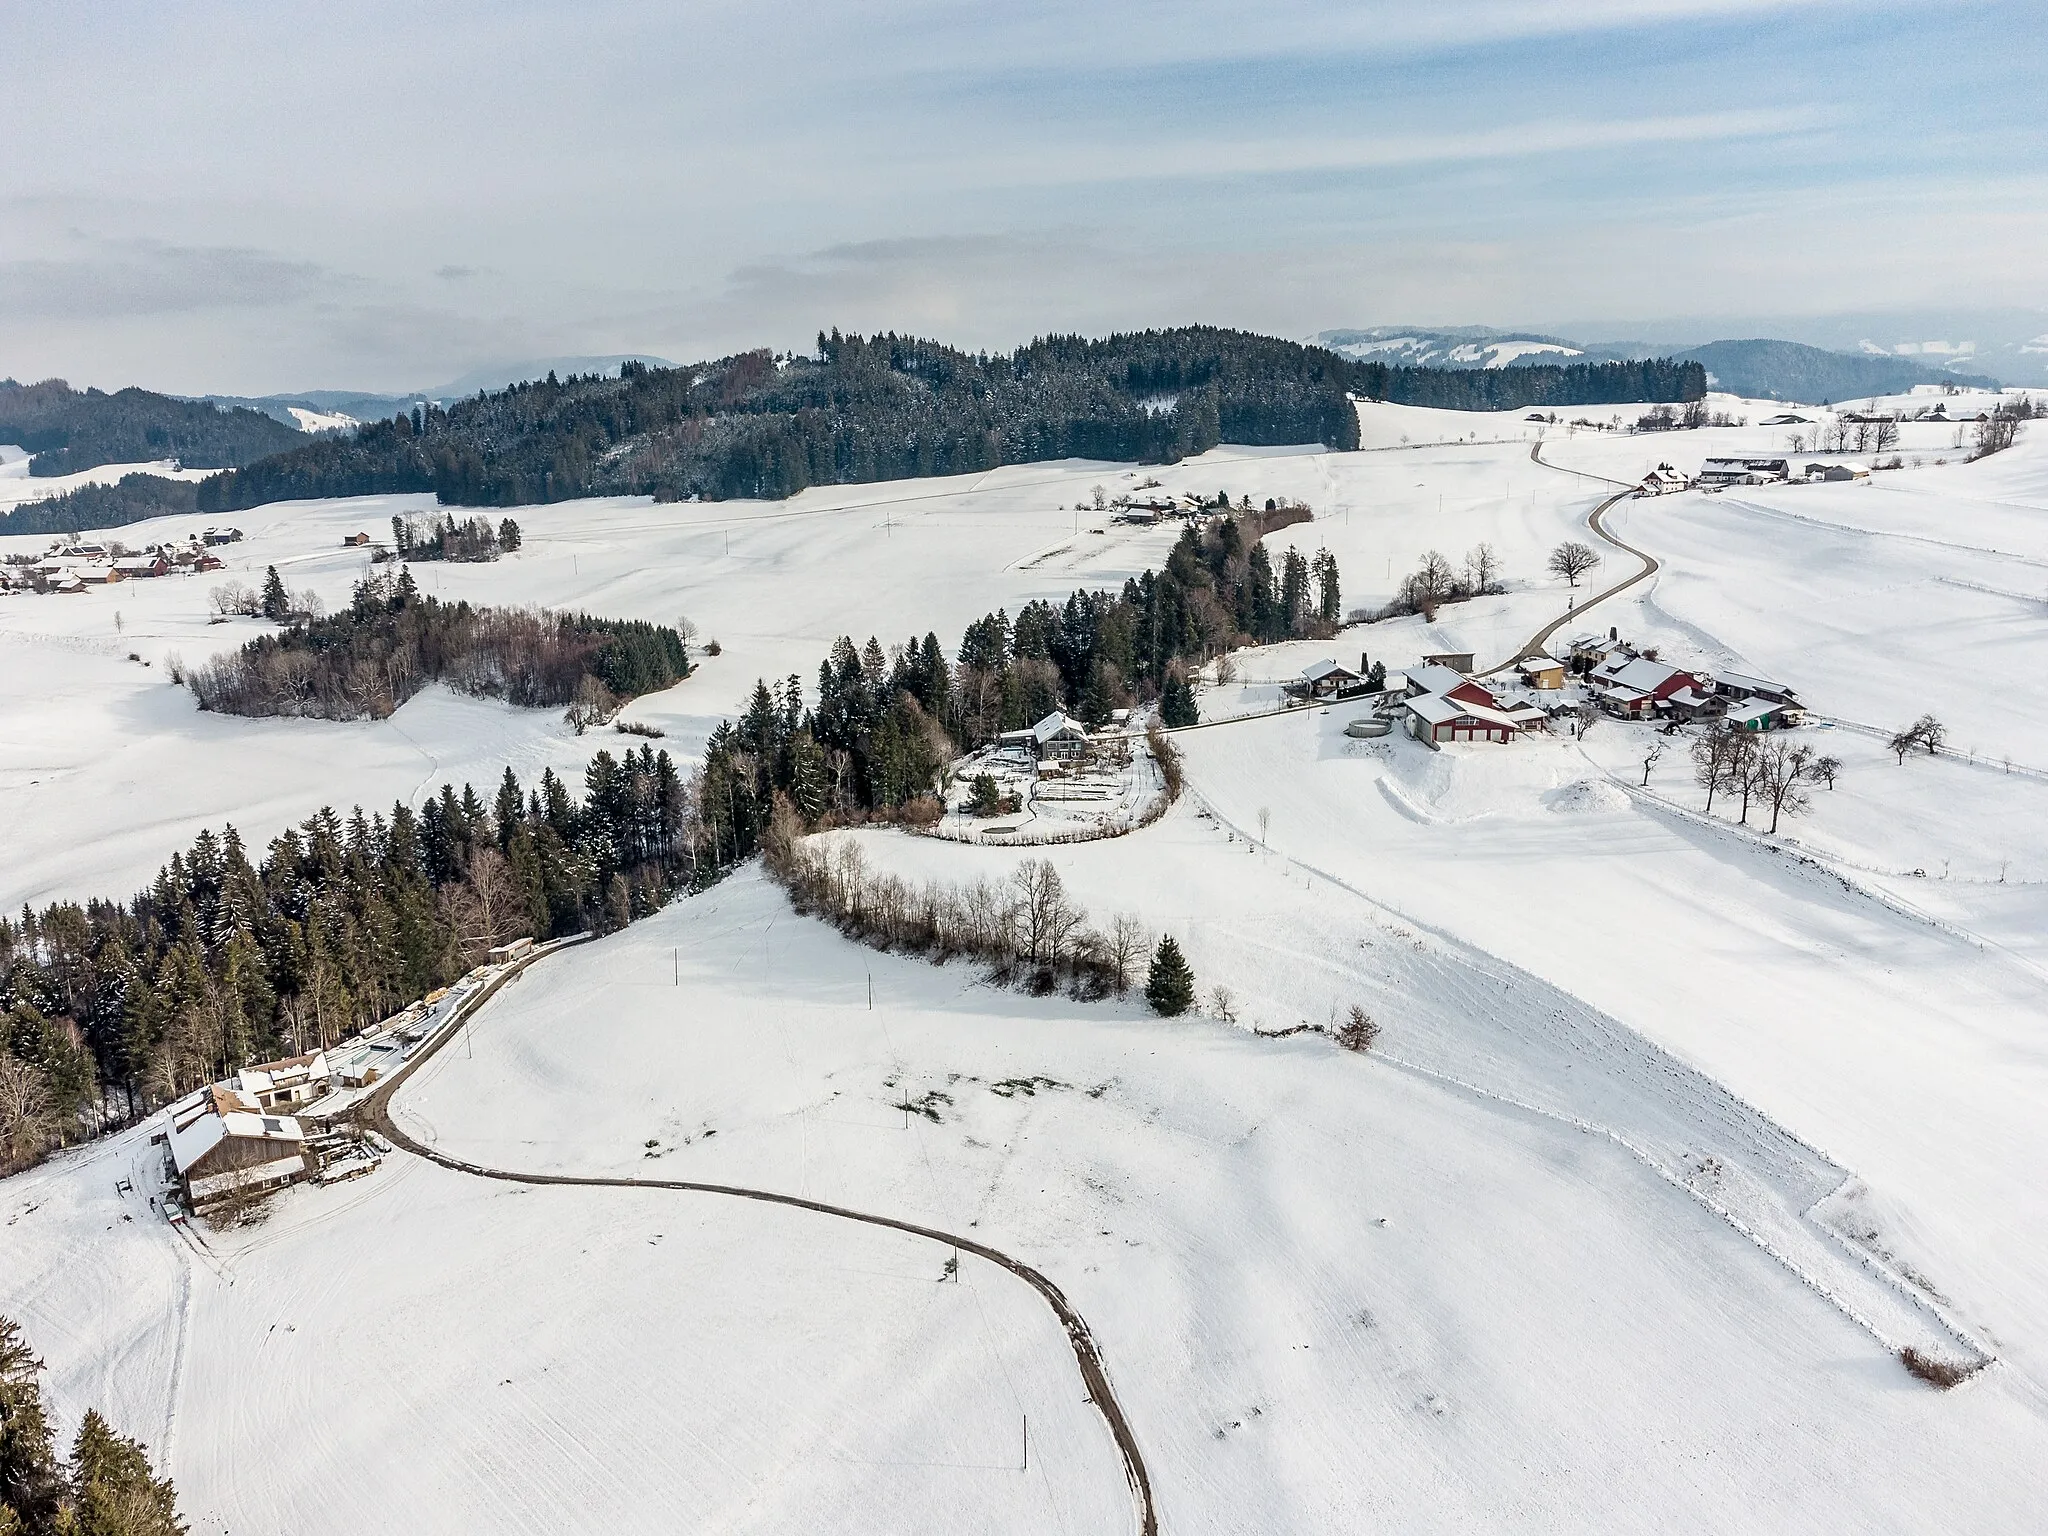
[(133, 499), (68, 430), (232, 955), (890, 407)]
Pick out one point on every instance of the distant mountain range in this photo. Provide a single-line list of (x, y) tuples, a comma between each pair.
[(359, 405), (1758, 367)]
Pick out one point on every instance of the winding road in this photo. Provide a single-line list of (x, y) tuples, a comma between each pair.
[(375, 1110), (1650, 564)]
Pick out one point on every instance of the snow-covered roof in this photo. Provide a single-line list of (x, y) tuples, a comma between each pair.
[(193, 1141), (287, 1073), (1748, 684), (1316, 672), (1636, 672), (1540, 664), (1752, 709), (1432, 678), (1439, 710)]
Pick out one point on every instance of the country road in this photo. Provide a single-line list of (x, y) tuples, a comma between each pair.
[(375, 1111), (1650, 564)]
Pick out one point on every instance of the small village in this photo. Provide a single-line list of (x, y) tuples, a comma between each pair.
[(71, 566), (1442, 699)]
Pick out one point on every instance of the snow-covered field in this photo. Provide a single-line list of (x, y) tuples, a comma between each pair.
[(1675, 1131)]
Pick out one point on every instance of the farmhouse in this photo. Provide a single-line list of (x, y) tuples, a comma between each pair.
[(292, 1081), (1663, 481), (1541, 671), (1636, 685), (1325, 680), (1718, 472), (1057, 736), (220, 1144), (140, 567)]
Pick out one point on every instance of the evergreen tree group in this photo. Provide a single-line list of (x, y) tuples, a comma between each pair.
[(107, 1487)]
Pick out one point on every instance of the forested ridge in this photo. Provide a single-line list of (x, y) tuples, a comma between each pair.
[(68, 430), (890, 407), (134, 498)]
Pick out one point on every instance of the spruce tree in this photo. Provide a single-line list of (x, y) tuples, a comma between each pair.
[(1177, 704), (29, 1483), (1170, 987), (114, 1490), (276, 605)]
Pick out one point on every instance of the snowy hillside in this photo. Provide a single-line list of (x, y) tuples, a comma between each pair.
[(1678, 1131)]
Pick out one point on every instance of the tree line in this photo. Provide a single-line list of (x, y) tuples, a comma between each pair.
[(892, 407), (1652, 380), (69, 430), (362, 662)]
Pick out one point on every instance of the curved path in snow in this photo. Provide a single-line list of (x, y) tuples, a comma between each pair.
[(376, 1111), (1651, 565)]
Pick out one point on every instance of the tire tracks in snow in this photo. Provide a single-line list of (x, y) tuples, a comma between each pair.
[(376, 1111)]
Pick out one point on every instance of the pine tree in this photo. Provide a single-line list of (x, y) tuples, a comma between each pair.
[(508, 535), (276, 604), (1170, 986)]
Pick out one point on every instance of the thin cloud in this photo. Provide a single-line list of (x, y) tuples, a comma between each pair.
[(1184, 159)]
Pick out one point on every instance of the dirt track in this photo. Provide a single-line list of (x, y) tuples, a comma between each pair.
[(376, 1111)]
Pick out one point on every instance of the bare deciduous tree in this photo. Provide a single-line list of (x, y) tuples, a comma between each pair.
[(1127, 946), (1925, 732), (27, 1122), (1571, 560), (1780, 775), (1482, 568)]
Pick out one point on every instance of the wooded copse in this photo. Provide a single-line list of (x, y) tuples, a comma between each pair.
[(1026, 928), (363, 662), (893, 407)]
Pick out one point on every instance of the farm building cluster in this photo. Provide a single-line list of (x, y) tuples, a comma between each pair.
[(1440, 699), (1055, 780), (81, 565), (282, 1122)]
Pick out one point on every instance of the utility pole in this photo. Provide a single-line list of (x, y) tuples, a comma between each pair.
[(1026, 1467), (678, 955)]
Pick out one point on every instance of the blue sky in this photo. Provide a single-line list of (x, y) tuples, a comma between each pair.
[(242, 198)]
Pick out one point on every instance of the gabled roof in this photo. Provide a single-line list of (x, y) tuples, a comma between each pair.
[(1431, 678), (195, 1140), (1540, 664), (1317, 671), (1637, 672), (1439, 709)]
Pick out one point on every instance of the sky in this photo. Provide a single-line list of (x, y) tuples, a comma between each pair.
[(203, 196)]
